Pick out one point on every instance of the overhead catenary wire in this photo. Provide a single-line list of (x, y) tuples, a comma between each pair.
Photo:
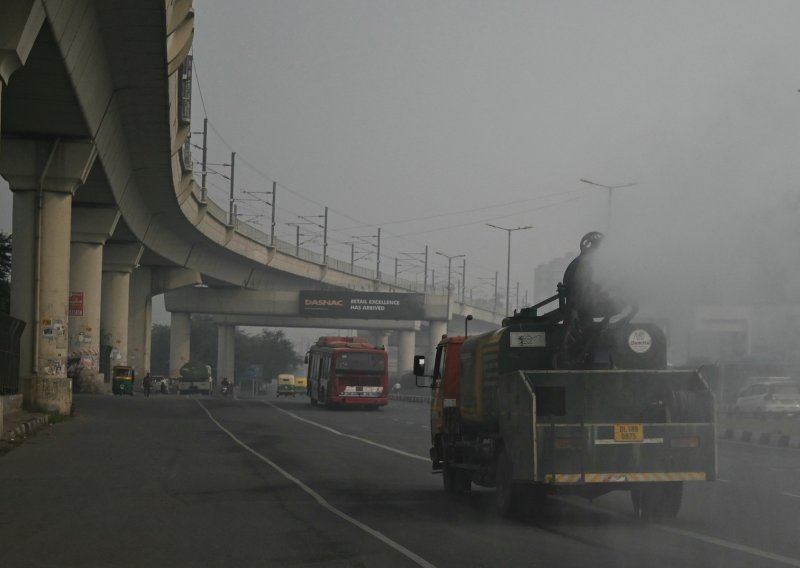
[(341, 236)]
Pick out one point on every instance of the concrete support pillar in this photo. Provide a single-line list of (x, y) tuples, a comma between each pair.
[(119, 260), (140, 320), (382, 339), (436, 329), (23, 268), (114, 315), (180, 329), (85, 278), (405, 352), (43, 174), (90, 230), (145, 283), (226, 353)]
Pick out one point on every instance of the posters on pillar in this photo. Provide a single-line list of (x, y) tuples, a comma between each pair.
[(76, 303), (361, 305)]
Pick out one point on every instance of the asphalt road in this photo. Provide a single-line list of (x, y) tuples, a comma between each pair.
[(185, 481)]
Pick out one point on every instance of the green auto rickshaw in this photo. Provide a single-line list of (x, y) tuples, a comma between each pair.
[(122, 378)]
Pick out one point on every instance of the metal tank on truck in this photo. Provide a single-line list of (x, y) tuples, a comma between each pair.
[(577, 400), (195, 377)]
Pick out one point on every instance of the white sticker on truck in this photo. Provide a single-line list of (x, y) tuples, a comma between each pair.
[(640, 341), (528, 339)]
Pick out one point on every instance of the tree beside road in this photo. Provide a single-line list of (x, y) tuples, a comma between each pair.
[(270, 351)]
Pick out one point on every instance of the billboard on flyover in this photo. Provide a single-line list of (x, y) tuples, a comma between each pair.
[(361, 305)]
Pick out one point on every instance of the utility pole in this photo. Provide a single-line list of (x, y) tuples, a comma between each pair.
[(449, 264), (231, 212), (463, 280), (378, 264), (272, 222), (203, 187), (425, 281), (325, 239)]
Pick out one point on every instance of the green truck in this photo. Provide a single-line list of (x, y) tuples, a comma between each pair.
[(503, 417), (578, 400)]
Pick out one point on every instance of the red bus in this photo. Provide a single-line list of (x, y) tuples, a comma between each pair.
[(348, 371)]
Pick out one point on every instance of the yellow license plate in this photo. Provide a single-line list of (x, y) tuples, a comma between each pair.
[(628, 432)]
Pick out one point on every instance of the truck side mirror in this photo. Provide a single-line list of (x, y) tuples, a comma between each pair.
[(306, 359), (419, 365), (419, 373)]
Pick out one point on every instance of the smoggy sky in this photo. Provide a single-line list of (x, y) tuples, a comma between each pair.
[(429, 119)]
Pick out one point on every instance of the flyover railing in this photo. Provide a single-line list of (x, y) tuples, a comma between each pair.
[(257, 235)]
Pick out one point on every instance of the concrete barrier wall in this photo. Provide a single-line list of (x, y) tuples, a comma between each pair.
[(10, 403)]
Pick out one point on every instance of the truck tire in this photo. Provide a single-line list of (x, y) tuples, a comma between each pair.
[(508, 494), (654, 501)]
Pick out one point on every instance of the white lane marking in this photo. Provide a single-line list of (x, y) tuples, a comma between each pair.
[(732, 545), (795, 495), (723, 480), (689, 534), (352, 437), (321, 500)]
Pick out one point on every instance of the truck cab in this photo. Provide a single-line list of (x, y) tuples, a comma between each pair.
[(444, 400)]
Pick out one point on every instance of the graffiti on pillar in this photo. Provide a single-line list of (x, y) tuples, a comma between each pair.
[(54, 367), (60, 333), (116, 354), (85, 337), (86, 358)]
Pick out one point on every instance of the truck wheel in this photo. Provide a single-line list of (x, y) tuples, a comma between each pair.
[(507, 493)]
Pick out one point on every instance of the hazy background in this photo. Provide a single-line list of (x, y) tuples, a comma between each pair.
[(430, 119)]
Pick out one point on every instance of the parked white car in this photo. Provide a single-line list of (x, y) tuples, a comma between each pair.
[(770, 394)]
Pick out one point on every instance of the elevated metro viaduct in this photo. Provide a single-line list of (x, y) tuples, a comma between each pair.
[(281, 308), (95, 118)]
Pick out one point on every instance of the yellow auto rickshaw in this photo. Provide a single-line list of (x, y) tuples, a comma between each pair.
[(300, 385), (285, 385), (122, 378)]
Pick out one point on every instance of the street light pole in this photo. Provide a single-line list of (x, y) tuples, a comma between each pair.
[(610, 189), (508, 262), (449, 265)]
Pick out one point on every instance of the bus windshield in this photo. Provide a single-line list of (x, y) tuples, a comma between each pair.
[(360, 362)]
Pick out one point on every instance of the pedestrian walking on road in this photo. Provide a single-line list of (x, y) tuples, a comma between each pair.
[(148, 384)]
